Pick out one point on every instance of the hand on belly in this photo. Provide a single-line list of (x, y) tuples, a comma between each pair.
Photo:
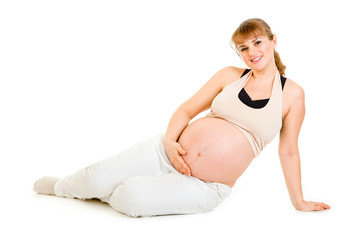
[(216, 150)]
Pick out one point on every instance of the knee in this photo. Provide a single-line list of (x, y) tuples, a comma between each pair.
[(128, 197), (91, 188), (89, 184)]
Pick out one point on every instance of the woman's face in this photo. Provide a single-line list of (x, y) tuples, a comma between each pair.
[(258, 52)]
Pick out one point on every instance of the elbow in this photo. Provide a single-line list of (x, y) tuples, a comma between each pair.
[(288, 148), (288, 156), (184, 111), (187, 111), (288, 153)]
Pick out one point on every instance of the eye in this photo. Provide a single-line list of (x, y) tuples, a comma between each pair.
[(257, 43), (243, 49)]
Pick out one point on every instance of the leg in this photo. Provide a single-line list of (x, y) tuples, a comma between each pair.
[(170, 193), (100, 179)]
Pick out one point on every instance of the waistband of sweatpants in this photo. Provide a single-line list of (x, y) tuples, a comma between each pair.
[(222, 189)]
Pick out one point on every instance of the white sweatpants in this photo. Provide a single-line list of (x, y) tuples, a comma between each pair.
[(141, 181)]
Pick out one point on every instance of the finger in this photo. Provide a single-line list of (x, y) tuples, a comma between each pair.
[(187, 172), (325, 206), (184, 171), (180, 150), (185, 168), (321, 204), (318, 208), (179, 165)]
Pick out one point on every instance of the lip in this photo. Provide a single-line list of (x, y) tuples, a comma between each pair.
[(256, 60)]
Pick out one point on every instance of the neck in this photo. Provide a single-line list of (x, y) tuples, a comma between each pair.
[(266, 74)]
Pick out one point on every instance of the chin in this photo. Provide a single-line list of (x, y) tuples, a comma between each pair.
[(259, 67)]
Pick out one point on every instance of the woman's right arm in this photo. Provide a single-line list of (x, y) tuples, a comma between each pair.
[(198, 103)]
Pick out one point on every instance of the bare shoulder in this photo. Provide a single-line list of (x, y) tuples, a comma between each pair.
[(293, 92), (293, 97), (230, 74), (235, 70)]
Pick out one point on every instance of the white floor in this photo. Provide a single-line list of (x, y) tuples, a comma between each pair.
[(82, 80), (258, 208)]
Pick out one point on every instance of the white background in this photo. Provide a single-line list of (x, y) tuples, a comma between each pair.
[(83, 80)]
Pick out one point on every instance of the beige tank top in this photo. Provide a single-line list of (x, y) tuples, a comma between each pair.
[(260, 125)]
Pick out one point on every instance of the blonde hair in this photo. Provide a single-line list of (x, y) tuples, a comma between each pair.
[(251, 28)]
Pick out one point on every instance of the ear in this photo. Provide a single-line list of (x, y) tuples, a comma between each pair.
[(274, 40)]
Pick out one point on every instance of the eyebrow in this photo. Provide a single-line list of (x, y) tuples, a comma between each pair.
[(251, 41)]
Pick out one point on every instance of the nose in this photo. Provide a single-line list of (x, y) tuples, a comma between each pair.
[(252, 52)]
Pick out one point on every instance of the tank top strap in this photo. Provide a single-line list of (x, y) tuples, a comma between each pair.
[(277, 86), (245, 72)]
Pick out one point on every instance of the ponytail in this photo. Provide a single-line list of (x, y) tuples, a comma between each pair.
[(280, 66)]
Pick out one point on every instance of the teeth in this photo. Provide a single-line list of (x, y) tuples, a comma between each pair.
[(256, 59)]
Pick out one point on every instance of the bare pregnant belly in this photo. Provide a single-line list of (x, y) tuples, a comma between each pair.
[(216, 150)]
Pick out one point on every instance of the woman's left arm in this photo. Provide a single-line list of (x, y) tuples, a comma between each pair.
[(289, 152)]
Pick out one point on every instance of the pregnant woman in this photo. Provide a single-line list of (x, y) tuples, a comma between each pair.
[(192, 168)]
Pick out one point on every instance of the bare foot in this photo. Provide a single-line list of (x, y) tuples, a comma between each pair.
[(45, 185)]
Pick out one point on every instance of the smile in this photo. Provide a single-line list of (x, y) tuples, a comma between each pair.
[(256, 60)]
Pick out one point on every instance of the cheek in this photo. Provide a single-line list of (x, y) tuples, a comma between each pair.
[(243, 56), (268, 50)]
